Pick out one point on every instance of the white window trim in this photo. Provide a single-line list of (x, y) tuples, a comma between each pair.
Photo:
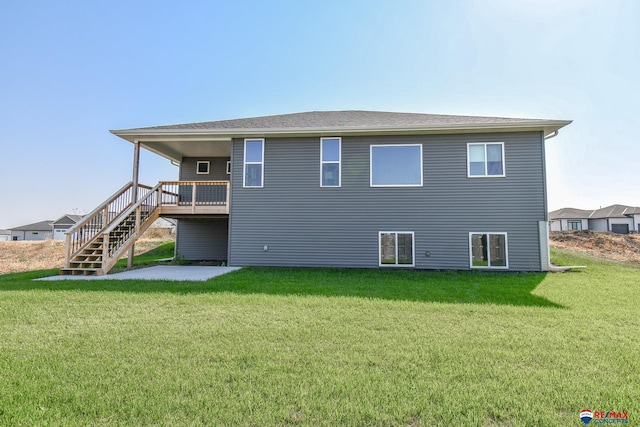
[(245, 163), (504, 165), (413, 249), (371, 184), (228, 167), (488, 267), (339, 162), (203, 162)]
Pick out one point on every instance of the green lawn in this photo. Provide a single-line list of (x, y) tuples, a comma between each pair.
[(263, 347)]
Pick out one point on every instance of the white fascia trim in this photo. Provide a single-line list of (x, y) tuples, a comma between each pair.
[(506, 250), (547, 126), (371, 184)]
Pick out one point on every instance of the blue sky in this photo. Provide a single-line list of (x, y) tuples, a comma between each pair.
[(72, 70)]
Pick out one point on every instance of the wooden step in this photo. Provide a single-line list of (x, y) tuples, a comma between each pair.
[(80, 271)]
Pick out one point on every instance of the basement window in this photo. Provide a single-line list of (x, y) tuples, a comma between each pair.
[(488, 250), (396, 249), (202, 167)]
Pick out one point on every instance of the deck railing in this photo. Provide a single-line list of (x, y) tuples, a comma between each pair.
[(85, 230), (109, 230), (194, 196)]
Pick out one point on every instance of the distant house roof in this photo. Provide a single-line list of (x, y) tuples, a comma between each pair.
[(68, 219), (5, 232), (162, 139), (36, 226), (614, 211), (569, 213)]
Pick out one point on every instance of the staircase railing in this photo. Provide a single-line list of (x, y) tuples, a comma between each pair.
[(129, 226), (85, 230)]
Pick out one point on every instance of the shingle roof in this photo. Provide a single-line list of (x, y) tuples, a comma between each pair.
[(36, 226), (614, 211), (569, 213), (74, 218), (344, 119)]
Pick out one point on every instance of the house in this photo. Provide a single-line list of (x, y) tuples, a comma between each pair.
[(63, 224), (37, 231), (615, 218), (337, 188), (569, 219), (168, 224), (5, 235)]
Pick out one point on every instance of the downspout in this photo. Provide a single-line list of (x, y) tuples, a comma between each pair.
[(544, 182)]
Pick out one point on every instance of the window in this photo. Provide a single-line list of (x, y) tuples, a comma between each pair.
[(228, 167), (488, 250), (202, 167), (330, 157), (396, 165), (485, 159), (396, 248), (574, 225), (253, 163)]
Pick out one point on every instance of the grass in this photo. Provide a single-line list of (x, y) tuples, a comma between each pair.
[(164, 251), (323, 347)]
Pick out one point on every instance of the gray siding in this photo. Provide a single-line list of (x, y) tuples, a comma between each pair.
[(217, 169), (202, 239), (306, 225)]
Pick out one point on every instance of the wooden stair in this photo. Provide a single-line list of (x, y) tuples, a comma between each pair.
[(97, 242)]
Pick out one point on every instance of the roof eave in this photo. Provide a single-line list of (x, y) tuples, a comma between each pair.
[(547, 126)]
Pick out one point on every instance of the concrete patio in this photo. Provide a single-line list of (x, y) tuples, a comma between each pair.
[(161, 272)]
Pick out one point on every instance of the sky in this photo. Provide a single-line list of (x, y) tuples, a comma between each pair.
[(72, 70)]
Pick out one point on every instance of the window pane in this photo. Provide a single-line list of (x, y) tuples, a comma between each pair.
[(388, 248), (330, 174), (476, 160), (479, 256), (476, 153), (494, 159), (330, 150), (497, 250), (396, 165), (203, 167), (476, 169), (253, 177), (405, 249), (253, 151)]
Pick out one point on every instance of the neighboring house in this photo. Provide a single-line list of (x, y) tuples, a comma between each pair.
[(342, 189), (168, 224), (63, 224), (38, 231), (615, 218), (569, 219), (5, 235)]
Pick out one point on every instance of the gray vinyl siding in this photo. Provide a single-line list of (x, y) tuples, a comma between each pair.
[(217, 169), (303, 224), (202, 239)]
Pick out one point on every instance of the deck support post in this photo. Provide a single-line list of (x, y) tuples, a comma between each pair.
[(134, 189)]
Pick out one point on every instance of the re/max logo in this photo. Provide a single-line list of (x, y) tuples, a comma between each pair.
[(611, 414), (608, 417)]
